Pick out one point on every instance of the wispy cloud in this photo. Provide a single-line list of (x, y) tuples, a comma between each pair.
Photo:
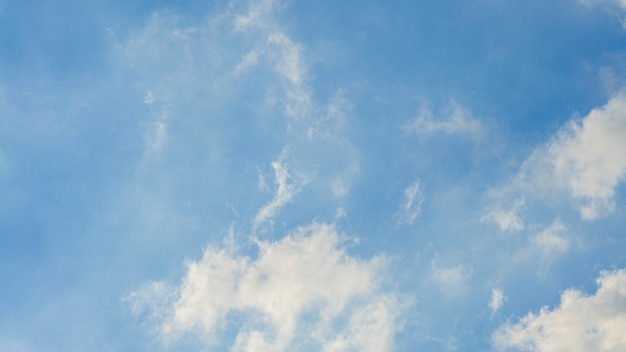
[(286, 189), (310, 126), (552, 240), (156, 130), (453, 119), (507, 219), (452, 278), (543, 245), (580, 323), (256, 16), (617, 5), (597, 2), (301, 291), (411, 205), (497, 300)]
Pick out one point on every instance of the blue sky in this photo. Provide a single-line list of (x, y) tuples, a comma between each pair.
[(270, 175)]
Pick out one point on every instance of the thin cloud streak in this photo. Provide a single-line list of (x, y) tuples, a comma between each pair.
[(286, 189), (411, 207)]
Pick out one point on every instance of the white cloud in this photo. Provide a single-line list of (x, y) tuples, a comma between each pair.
[(586, 160), (156, 130), (507, 220), (589, 156), (262, 183), (289, 62), (455, 120), (370, 329), (301, 291), (497, 300), (247, 61), (310, 126), (286, 188), (552, 240), (580, 323), (411, 205), (149, 98), (257, 14)]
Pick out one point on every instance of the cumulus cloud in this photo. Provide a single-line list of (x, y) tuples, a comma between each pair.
[(507, 219), (411, 206), (302, 292), (454, 119), (497, 300), (581, 323), (586, 160)]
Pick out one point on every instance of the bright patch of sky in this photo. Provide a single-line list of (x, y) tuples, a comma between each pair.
[(270, 175)]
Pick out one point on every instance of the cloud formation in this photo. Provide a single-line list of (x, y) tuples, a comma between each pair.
[(581, 323), (299, 293), (586, 160), (450, 279), (455, 120), (497, 300), (621, 4), (411, 205), (286, 188), (507, 219), (551, 240)]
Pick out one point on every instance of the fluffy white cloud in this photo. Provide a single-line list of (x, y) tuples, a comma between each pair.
[(301, 292), (580, 323), (411, 205), (455, 120), (586, 160)]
